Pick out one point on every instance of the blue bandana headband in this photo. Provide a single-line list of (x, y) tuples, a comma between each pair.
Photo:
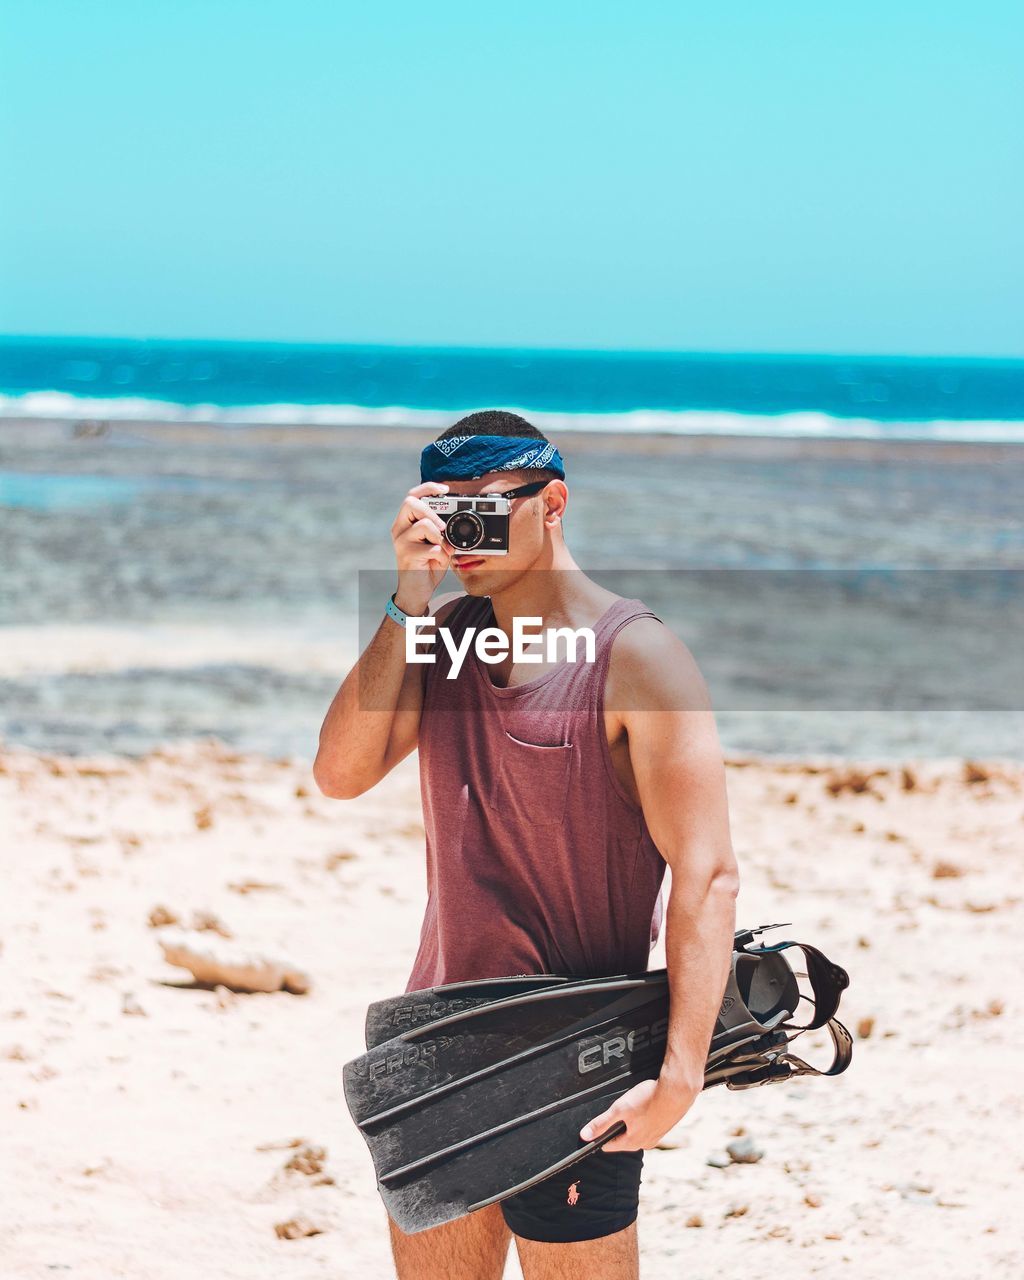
[(470, 457)]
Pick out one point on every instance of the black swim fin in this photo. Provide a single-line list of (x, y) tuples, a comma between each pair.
[(469, 1109), (390, 1017)]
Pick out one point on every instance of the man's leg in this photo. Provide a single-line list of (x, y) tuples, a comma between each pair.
[(581, 1221), (471, 1248), (614, 1257)]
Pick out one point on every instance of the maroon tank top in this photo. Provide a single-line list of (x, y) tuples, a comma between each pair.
[(538, 861)]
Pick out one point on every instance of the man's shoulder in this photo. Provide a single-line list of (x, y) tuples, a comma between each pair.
[(645, 646), (651, 668)]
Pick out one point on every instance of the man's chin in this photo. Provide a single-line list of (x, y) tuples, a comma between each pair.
[(486, 576), (477, 577)]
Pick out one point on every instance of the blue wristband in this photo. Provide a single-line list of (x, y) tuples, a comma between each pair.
[(393, 611)]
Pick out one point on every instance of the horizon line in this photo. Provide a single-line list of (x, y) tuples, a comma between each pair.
[(687, 353)]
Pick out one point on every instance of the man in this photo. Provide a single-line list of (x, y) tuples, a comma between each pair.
[(554, 795)]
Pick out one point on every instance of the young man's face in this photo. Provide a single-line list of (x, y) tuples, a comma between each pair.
[(488, 575)]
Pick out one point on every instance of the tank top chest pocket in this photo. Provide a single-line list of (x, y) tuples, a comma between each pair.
[(531, 782)]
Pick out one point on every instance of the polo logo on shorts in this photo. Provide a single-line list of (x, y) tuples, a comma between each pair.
[(574, 1194)]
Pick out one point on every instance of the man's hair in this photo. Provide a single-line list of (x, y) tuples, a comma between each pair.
[(492, 422), (499, 422)]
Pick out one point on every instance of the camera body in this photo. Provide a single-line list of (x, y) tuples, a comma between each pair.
[(474, 524)]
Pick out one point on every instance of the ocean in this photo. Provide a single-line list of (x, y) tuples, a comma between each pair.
[(614, 391), (194, 537)]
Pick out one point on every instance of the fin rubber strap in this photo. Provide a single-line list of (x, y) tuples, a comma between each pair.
[(828, 981), (786, 1065)]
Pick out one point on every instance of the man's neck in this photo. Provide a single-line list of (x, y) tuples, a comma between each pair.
[(559, 593)]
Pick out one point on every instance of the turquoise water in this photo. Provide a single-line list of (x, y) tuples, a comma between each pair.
[(57, 491), (625, 391)]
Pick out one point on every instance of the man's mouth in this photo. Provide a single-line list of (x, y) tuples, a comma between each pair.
[(469, 562)]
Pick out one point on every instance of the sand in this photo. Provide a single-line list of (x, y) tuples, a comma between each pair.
[(150, 1121)]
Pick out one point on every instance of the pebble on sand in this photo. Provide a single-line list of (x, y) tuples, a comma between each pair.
[(744, 1150), (296, 1228)]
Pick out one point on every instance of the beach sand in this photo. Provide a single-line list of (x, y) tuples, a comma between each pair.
[(148, 1118)]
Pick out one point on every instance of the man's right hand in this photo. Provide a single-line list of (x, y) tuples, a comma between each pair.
[(421, 552)]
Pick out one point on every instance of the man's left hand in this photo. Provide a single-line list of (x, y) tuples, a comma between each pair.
[(649, 1110)]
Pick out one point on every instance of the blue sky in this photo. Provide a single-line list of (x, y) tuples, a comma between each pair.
[(741, 177)]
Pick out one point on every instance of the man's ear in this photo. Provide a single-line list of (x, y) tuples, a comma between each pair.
[(556, 495)]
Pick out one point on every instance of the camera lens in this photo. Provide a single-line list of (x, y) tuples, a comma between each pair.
[(465, 531)]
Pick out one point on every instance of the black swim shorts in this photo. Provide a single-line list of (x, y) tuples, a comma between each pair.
[(594, 1197)]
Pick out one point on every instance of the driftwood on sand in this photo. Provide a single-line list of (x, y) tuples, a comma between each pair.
[(238, 970)]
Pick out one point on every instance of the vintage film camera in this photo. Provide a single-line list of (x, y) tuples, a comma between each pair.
[(474, 524)]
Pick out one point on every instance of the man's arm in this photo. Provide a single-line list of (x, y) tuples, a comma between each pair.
[(656, 689), (373, 720)]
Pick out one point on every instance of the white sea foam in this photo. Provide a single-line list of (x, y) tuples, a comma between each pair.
[(61, 406)]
